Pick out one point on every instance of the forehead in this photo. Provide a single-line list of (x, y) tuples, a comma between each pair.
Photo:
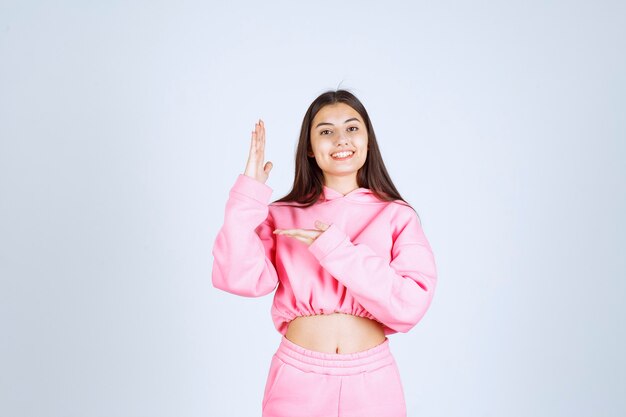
[(336, 113)]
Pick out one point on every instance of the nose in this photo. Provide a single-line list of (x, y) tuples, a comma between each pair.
[(341, 139)]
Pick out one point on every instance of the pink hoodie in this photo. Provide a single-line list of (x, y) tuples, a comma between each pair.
[(373, 261)]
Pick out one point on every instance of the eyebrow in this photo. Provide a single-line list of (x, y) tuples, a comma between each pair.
[(326, 123)]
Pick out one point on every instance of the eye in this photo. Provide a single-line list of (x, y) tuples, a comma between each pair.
[(325, 130), (353, 127)]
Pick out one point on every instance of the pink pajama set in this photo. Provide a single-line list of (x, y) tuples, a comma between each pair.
[(373, 261)]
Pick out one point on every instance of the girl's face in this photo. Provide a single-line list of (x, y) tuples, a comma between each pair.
[(338, 141)]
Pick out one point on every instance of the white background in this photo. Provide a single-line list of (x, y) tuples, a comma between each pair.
[(124, 124)]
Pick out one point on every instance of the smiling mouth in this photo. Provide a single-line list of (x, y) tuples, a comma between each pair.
[(342, 156)]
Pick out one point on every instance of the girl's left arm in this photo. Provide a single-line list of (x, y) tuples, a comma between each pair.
[(396, 293)]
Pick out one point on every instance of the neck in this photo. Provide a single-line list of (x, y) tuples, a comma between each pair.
[(342, 185)]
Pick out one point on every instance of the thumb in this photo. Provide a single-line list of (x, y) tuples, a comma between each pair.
[(268, 167), (320, 225)]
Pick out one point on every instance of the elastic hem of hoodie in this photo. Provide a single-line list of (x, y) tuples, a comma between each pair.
[(285, 319), (334, 363)]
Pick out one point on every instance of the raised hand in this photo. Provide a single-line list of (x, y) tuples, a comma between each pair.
[(255, 167)]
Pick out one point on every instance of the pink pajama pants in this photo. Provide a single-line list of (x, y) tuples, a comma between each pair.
[(306, 383)]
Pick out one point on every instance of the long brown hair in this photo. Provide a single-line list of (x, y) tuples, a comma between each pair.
[(309, 178)]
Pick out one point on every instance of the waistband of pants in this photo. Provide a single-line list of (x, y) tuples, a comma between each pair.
[(335, 363)]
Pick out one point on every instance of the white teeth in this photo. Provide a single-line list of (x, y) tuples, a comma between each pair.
[(342, 154)]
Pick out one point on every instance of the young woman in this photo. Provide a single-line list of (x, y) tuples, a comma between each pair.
[(347, 257)]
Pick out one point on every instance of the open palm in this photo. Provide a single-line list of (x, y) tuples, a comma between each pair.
[(255, 167), (307, 236)]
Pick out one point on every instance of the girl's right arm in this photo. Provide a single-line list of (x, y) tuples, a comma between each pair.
[(243, 252)]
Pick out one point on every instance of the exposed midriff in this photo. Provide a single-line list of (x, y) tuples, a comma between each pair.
[(335, 333)]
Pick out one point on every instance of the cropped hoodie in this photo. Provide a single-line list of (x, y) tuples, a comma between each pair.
[(373, 261)]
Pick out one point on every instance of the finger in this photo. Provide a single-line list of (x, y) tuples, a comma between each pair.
[(253, 143), (303, 239), (299, 233), (262, 129), (306, 240), (290, 230), (260, 134), (287, 232)]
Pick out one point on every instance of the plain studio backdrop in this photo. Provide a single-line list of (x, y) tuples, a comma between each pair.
[(123, 126)]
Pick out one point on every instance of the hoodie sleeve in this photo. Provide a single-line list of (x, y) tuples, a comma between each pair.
[(243, 252), (396, 292)]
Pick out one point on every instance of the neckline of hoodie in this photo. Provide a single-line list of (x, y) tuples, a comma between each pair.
[(332, 194), (323, 202)]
